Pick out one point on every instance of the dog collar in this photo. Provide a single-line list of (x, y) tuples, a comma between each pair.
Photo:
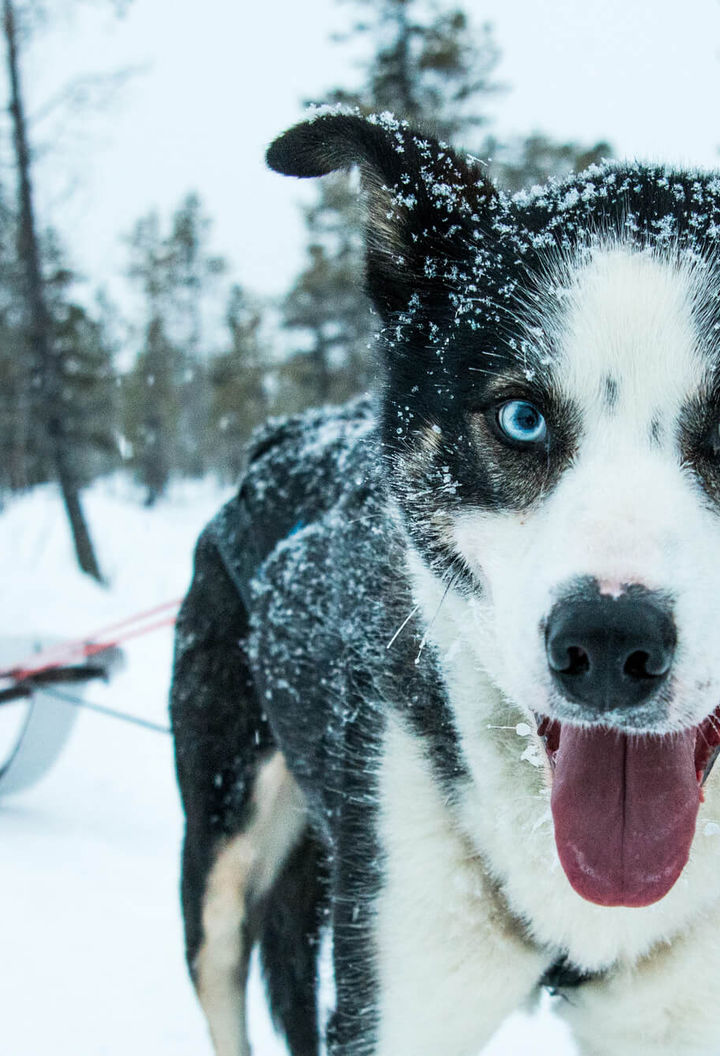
[(564, 975)]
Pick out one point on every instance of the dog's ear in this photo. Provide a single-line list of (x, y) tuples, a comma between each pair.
[(425, 204)]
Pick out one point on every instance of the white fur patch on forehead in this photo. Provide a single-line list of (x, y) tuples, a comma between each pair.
[(628, 337)]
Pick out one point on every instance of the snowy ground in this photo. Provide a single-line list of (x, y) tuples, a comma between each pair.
[(91, 932)]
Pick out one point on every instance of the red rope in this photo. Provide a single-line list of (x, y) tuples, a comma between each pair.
[(58, 655)]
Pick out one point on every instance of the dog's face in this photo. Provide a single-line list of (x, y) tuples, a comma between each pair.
[(552, 424), (592, 558)]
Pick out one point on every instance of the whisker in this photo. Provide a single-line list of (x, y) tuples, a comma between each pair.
[(403, 625), (423, 641)]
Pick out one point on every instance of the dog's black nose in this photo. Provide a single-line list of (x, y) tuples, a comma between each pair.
[(610, 652)]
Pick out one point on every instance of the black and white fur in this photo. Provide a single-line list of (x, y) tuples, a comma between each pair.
[(355, 729)]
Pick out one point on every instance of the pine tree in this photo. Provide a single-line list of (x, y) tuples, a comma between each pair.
[(89, 394), (427, 64), (44, 356), (167, 394), (240, 383), (193, 273), (85, 375), (325, 307), (522, 163), (150, 411), (150, 404)]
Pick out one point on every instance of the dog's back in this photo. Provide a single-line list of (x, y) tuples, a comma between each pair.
[(252, 869)]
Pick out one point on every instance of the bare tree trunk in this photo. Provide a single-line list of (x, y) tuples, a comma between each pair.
[(44, 356), (322, 371), (408, 104)]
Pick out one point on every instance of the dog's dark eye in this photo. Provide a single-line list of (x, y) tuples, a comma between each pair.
[(521, 422)]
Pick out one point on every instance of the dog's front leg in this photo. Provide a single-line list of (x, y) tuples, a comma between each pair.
[(451, 961)]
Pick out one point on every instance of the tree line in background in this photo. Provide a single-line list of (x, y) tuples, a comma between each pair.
[(177, 389)]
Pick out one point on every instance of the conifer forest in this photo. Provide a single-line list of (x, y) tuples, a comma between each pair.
[(170, 384)]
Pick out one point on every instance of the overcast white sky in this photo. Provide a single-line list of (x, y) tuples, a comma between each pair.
[(223, 77)]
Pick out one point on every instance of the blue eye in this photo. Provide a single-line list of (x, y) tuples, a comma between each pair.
[(522, 422)]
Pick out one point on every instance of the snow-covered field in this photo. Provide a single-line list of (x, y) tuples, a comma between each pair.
[(91, 930)]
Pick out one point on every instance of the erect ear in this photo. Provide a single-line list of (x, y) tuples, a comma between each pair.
[(425, 204)]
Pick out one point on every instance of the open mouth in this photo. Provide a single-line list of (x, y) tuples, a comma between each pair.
[(625, 806)]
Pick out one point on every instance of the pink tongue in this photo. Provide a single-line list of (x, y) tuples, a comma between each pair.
[(624, 810)]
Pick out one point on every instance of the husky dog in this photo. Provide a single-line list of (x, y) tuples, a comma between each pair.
[(447, 677)]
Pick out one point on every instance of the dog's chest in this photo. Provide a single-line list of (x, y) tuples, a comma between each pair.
[(450, 930), (445, 938)]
